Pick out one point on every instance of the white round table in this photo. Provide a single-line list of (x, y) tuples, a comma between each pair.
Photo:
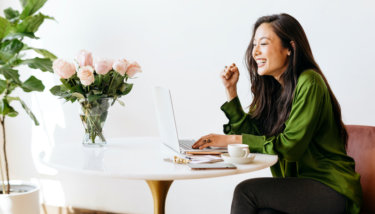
[(139, 158)]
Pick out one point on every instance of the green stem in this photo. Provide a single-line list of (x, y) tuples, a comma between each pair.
[(93, 127), (2, 121), (110, 84), (100, 80), (1, 170), (72, 82)]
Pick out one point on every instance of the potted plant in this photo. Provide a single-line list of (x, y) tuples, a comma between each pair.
[(15, 26)]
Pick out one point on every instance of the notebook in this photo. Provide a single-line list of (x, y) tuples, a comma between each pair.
[(167, 125)]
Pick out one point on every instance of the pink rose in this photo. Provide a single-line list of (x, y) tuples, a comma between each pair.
[(120, 66), (63, 68), (103, 66), (84, 58), (86, 75), (133, 68)]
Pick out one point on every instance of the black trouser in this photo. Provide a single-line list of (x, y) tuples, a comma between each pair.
[(286, 195)]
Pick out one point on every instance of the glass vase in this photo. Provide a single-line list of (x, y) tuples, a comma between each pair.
[(93, 115)]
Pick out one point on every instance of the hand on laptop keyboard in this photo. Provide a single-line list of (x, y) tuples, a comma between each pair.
[(217, 140)]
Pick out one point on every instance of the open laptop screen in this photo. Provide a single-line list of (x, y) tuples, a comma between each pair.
[(165, 118)]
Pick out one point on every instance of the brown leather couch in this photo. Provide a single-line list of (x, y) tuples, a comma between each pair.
[(361, 147)]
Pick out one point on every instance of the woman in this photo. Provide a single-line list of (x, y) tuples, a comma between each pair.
[(294, 115)]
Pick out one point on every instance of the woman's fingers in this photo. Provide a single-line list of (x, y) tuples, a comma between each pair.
[(203, 142), (199, 142), (222, 74), (195, 145), (211, 140), (234, 69), (205, 145), (228, 73)]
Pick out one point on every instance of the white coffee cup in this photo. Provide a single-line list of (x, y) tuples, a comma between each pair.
[(238, 150)]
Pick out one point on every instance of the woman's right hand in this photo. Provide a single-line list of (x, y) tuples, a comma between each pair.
[(230, 76)]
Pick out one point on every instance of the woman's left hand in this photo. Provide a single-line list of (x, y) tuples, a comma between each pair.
[(217, 140)]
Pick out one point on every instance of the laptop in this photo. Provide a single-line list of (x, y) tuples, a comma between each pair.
[(167, 124)]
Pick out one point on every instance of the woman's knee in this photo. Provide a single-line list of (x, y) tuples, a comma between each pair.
[(242, 187), (240, 194), (251, 184), (247, 188)]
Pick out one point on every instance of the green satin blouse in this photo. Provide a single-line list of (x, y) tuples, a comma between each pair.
[(310, 145)]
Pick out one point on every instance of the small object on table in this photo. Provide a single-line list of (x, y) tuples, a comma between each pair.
[(178, 160)]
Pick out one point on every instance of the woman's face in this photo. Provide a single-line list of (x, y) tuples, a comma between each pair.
[(268, 52)]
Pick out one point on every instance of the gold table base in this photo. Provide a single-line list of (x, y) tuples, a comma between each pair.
[(159, 190)]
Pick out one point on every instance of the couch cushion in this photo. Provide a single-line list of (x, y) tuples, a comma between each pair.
[(361, 147)]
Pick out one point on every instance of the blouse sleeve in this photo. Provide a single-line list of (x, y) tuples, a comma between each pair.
[(239, 121), (299, 128)]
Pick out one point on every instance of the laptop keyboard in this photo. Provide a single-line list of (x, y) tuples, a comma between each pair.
[(186, 144)]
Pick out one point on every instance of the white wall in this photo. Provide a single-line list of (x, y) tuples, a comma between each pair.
[(184, 45)]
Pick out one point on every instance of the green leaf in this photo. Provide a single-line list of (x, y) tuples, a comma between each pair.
[(56, 90), (43, 64), (15, 35), (78, 95), (23, 3), (78, 88), (115, 84), (96, 92), (32, 84), (10, 74), (3, 85), (92, 97), (6, 109), (66, 83), (128, 88), (15, 61), (11, 86), (121, 103), (4, 27), (59, 90), (62, 92), (13, 113), (71, 99), (45, 53), (11, 14), (9, 48), (30, 7), (30, 24), (27, 110)]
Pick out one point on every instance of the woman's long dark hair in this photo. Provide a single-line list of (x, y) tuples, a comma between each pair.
[(272, 102)]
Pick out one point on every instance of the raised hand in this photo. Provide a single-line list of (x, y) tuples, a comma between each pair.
[(230, 76)]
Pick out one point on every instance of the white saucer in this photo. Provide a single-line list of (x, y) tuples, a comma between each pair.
[(244, 160)]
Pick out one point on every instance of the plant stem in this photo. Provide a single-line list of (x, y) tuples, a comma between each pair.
[(110, 84), (94, 127), (2, 121), (2, 174)]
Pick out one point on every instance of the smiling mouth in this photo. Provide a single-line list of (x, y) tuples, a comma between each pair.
[(261, 62)]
